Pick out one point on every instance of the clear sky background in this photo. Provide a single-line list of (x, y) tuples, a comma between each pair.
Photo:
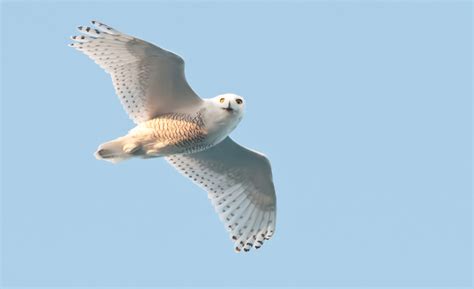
[(364, 109)]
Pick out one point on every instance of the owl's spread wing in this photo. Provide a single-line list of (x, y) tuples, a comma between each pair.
[(239, 184), (148, 80)]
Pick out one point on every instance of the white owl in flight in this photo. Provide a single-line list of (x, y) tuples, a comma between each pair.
[(191, 133)]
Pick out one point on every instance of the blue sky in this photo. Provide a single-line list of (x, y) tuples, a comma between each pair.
[(364, 109)]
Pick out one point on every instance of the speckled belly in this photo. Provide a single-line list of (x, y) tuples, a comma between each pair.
[(170, 134)]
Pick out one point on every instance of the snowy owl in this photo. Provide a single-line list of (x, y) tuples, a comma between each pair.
[(191, 133)]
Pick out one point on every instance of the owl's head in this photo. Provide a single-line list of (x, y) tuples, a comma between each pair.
[(230, 103), (222, 114)]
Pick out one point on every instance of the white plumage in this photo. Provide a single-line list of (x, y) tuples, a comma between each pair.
[(190, 132), (238, 182)]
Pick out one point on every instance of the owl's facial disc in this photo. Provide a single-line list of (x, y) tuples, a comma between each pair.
[(230, 103)]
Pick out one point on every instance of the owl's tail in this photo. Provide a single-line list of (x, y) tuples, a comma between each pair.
[(117, 150)]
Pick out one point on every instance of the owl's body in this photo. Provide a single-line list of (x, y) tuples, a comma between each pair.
[(172, 134), (176, 133), (191, 133)]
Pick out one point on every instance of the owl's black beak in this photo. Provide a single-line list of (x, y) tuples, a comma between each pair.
[(228, 108)]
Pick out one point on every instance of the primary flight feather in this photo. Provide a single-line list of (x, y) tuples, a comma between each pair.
[(191, 133)]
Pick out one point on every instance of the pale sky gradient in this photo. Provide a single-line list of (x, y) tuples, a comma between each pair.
[(364, 109)]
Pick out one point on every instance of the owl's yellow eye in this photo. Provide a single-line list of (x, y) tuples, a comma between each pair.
[(239, 101), (221, 100)]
